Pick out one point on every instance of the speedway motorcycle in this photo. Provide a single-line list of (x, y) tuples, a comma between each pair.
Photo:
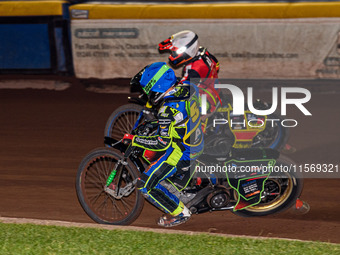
[(262, 134), (106, 180)]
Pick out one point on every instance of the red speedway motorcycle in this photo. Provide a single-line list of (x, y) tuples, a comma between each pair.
[(265, 134)]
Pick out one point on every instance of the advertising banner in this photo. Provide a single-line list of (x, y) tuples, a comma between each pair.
[(260, 48)]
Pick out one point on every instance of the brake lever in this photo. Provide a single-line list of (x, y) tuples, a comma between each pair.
[(112, 145)]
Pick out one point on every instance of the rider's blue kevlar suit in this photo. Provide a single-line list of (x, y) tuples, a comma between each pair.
[(180, 135)]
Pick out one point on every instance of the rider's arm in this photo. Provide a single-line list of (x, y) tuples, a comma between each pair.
[(163, 139)]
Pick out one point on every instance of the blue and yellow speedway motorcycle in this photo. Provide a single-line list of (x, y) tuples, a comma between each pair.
[(245, 181)]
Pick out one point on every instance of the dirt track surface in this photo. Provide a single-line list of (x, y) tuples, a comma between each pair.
[(45, 134)]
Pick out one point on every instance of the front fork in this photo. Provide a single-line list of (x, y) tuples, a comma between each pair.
[(113, 182)]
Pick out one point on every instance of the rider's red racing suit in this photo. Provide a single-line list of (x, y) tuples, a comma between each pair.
[(203, 68)]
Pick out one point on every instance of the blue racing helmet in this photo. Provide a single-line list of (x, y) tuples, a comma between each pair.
[(155, 80)]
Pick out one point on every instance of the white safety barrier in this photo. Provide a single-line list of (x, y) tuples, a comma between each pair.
[(303, 48)]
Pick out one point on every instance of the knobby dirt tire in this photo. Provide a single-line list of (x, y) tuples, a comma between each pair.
[(100, 206)]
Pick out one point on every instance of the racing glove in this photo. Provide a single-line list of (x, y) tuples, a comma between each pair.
[(127, 139)]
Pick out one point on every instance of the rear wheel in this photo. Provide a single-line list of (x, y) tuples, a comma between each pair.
[(280, 192), (122, 121), (274, 136), (95, 199)]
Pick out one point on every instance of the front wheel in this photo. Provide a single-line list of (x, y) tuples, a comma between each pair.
[(93, 195), (122, 121), (280, 192)]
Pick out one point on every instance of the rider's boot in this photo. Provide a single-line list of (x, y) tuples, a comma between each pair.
[(175, 218)]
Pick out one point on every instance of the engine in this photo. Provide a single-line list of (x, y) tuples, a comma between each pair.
[(219, 198)]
